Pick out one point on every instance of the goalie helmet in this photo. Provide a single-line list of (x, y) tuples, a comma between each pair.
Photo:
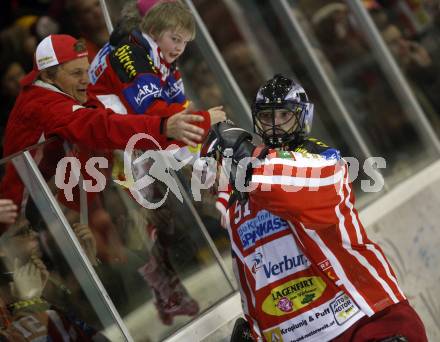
[(282, 113)]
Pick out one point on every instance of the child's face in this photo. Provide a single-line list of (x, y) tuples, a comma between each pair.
[(173, 43)]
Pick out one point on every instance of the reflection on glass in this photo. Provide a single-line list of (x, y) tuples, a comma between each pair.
[(410, 29), (266, 50), (232, 45), (40, 298), (155, 264), (387, 128)]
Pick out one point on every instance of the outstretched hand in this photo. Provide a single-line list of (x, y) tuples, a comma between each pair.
[(179, 127)]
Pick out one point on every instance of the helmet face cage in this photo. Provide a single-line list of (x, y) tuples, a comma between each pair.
[(284, 96)]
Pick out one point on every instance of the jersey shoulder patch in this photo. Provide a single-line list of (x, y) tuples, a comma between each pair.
[(316, 147)]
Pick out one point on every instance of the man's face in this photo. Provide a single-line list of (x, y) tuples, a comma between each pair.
[(173, 43), (73, 79)]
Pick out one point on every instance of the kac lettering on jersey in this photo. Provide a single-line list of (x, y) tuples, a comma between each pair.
[(261, 226)]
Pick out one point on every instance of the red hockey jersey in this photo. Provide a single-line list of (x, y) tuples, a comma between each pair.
[(306, 268)]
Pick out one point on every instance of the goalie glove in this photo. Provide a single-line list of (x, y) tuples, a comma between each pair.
[(225, 140)]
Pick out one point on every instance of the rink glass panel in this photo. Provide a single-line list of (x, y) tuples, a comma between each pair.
[(258, 41), (70, 289), (253, 52), (411, 30), (128, 238), (390, 129)]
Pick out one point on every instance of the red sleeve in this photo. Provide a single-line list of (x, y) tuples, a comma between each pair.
[(162, 108), (100, 128), (304, 189)]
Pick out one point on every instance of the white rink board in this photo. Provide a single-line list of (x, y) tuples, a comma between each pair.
[(409, 234)]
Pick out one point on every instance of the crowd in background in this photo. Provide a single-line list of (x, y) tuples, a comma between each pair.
[(24, 23)]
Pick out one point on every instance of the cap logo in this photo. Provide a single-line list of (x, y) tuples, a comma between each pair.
[(45, 54)]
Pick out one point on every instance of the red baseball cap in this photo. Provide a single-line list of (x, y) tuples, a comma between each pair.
[(53, 50)]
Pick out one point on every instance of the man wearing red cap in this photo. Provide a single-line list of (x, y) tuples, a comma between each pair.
[(51, 103)]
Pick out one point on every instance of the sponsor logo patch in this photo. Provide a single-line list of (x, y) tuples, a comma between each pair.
[(124, 56), (99, 64), (273, 335), (261, 226), (343, 308), (293, 295), (275, 260), (145, 91)]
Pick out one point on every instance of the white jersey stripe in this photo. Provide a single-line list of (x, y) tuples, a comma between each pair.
[(221, 208), (357, 297), (353, 216), (346, 243), (224, 195), (55, 318), (370, 247), (298, 181), (249, 288), (241, 260), (303, 162), (382, 260)]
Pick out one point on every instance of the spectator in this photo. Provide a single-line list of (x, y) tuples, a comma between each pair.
[(19, 44), (52, 103), (139, 74), (416, 62), (8, 211), (11, 73), (87, 17), (28, 295), (339, 38)]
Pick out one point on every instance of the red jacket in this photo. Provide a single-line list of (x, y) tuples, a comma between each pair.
[(133, 77), (42, 111)]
